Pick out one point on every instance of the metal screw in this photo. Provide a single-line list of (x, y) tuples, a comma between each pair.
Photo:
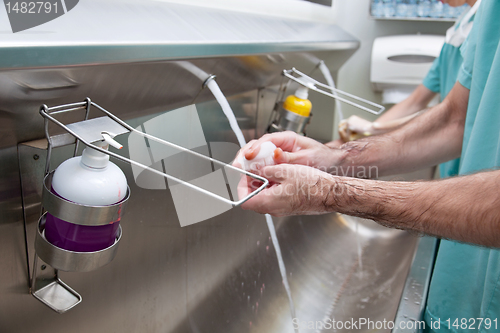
[(36, 157), (43, 267)]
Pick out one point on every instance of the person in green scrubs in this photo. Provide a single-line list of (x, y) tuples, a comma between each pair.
[(439, 80), (466, 279), (464, 211)]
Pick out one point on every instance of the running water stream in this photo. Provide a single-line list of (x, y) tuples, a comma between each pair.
[(226, 108), (219, 96)]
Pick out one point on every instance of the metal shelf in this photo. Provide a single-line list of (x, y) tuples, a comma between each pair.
[(414, 19)]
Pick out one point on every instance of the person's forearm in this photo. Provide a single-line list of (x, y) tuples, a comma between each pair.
[(431, 138), (417, 101), (464, 208)]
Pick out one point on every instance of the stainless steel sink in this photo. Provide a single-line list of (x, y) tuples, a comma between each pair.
[(339, 268)]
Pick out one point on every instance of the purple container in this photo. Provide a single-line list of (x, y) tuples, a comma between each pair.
[(79, 238)]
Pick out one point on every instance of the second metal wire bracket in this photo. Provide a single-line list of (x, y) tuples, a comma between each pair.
[(308, 82)]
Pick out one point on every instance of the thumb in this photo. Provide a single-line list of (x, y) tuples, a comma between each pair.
[(252, 152)]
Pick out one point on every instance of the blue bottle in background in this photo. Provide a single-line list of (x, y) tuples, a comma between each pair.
[(389, 8), (424, 8), (436, 9), (411, 8), (377, 9), (401, 8)]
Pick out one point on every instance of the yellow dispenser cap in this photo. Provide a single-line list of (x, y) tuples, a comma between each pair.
[(299, 103)]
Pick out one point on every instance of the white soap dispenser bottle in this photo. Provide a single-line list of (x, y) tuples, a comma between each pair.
[(90, 179)]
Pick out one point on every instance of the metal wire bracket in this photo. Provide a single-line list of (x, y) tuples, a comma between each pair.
[(308, 82), (78, 131)]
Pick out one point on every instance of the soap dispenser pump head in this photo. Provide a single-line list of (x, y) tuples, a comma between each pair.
[(94, 158), (302, 93)]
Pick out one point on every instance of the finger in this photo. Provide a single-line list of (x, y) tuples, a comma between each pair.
[(287, 141), (245, 187), (300, 157), (252, 152), (359, 125), (246, 147), (343, 131), (237, 161)]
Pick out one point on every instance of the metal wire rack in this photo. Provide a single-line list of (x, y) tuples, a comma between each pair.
[(87, 130), (312, 84)]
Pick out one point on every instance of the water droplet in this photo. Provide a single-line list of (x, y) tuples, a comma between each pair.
[(267, 248), (406, 298), (242, 284), (418, 303), (258, 243), (248, 299)]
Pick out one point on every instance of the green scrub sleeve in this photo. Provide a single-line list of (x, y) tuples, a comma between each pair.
[(432, 80), (465, 77), (468, 50)]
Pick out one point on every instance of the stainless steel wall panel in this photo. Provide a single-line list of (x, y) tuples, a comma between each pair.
[(110, 32)]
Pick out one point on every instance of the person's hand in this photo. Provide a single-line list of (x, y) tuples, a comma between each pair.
[(295, 189), (296, 149), (354, 128), (237, 162)]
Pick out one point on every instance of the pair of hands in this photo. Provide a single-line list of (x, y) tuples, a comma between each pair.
[(299, 181), (355, 127)]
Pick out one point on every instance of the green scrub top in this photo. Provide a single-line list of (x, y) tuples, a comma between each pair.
[(441, 78), (465, 283)]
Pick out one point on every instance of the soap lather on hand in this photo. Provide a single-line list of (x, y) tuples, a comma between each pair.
[(265, 156)]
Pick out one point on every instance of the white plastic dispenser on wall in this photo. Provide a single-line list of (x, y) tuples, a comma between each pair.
[(400, 63), (90, 179)]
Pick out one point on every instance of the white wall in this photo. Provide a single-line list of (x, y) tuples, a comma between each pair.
[(353, 16)]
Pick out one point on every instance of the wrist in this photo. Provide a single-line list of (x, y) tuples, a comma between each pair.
[(326, 198), (350, 157)]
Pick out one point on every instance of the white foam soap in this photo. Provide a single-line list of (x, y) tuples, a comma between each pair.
[(263, 158)]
